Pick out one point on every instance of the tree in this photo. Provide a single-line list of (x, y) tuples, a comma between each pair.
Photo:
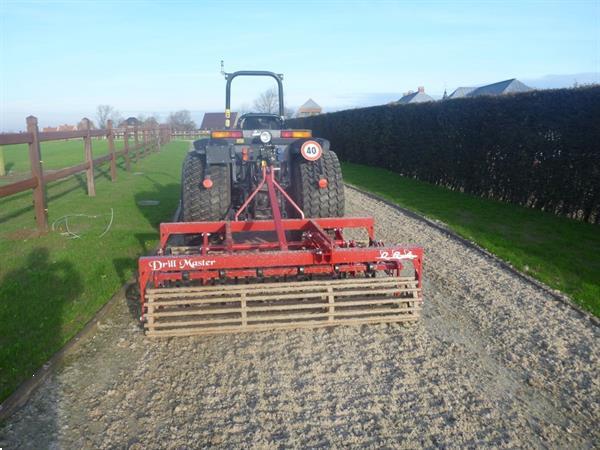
[(81, 125), (105, 112), (151, 122), (181, 121), (267, 102)]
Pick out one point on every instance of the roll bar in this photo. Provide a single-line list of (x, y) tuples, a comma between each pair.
[(252, 73)]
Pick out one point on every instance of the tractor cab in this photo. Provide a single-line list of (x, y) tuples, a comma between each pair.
[(260, 121)]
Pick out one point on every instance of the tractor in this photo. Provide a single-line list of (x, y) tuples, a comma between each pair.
[(260, 239)]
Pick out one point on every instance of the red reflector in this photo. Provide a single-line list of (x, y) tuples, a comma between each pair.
[(207, 183), (323, 183), (223, 134)]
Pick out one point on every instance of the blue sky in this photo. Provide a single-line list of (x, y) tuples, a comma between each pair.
[(59, 60)]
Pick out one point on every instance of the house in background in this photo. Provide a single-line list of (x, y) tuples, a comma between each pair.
[(461, 92), (310, 108), (512, 86), (64, 127), (216, 121), (67, 127), (414, 97), (130, 122)]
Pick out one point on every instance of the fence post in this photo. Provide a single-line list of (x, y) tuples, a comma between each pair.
[(2, 167), (87, 143), (137, 142), (145, 141), (37, 172), (126, 148), (157, 137), (111, 149)]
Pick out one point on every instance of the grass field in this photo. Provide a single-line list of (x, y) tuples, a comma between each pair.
[(563, 253), (56, 154), (51, 286)]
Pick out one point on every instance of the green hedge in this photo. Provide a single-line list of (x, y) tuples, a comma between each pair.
[(539, 149)]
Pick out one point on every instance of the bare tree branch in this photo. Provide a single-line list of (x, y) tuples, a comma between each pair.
[(181, 120), (267, 102), (105, 112)]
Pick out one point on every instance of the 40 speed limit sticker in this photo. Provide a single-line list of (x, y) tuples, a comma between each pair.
[(311, 150)]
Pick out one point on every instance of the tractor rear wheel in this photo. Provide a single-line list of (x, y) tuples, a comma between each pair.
[(198, 203), (312, 199)]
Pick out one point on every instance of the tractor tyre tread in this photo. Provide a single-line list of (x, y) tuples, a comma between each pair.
[(198, 203), (314, 201)]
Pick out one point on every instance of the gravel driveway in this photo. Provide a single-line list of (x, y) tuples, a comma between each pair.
[(494, 361)]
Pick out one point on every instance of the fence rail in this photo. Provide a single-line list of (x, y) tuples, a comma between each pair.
[(190, 134), (152, 138)]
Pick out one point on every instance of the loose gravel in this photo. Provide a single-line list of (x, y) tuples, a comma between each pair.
[(494, 361)]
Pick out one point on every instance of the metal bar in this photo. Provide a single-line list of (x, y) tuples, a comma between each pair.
[(289, 286), (320, 237), (352, 269), (276, 326), (167, 229), (288, 198), (275, 209), (228, 238), (270, 287), (249, 199), (260, 73), (244, 260), (278, 318), (345, 299)]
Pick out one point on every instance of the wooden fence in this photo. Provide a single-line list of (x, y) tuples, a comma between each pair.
[(145, 140), (190, 134)]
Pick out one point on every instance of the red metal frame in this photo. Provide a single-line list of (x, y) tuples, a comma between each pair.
[(317, 253)]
